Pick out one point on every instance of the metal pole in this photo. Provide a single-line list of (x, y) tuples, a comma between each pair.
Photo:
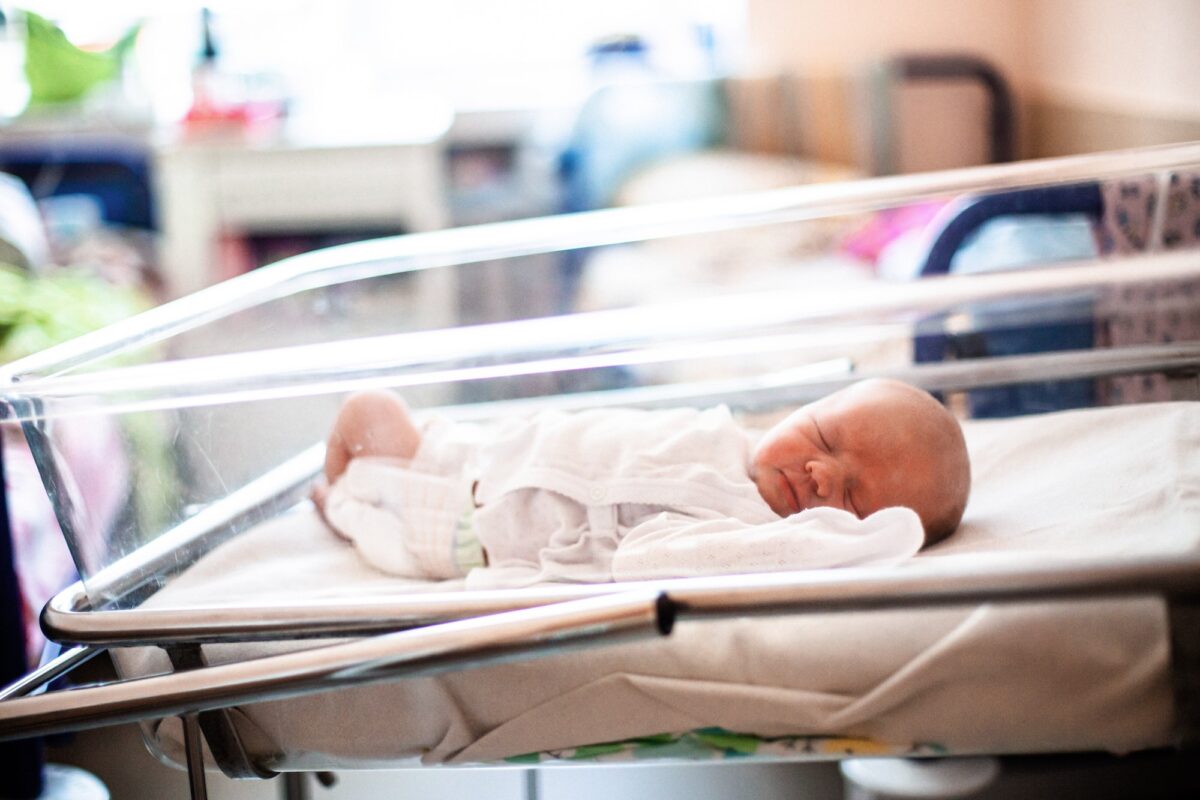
[(862, 588), (55, 668), (449, 646), (295, 786), (193, 744)]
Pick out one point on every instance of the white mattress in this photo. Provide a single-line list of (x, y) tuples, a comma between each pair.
[(1078, 675)]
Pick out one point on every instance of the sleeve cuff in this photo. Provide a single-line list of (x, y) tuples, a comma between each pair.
[(401, 520)]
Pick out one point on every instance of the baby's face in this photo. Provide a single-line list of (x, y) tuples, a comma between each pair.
[(860, 449)]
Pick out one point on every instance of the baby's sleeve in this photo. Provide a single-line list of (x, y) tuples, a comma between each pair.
[(401, 520), (674, 545)]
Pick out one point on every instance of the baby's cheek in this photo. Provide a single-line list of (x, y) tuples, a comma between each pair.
[(767, 454)]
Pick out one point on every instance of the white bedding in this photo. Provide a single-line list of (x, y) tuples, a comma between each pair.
[(1075, 675)]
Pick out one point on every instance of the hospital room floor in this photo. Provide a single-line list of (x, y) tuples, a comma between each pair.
[(119, 758)]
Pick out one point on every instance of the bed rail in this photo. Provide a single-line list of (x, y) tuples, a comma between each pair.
[(725, 326), (437, 249), (547, 621), (462, 644), (69, 617), (570, 619)]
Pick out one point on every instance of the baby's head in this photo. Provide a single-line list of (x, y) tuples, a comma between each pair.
[(874, 444)]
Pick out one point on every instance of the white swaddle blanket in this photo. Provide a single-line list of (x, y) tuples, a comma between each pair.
[(657, 495)]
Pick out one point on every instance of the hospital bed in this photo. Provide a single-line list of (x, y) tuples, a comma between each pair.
[(1060, 617)]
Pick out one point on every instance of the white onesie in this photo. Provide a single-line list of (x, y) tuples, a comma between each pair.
[(595, 496)]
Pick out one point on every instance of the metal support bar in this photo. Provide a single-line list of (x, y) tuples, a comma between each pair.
[(192, 744), (1184, 618), (50, 671), (295, 786), (222, 736), (917, 584), (637, 610), (451, 646)]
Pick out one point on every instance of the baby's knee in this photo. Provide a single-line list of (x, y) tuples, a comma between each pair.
[(374, 401)]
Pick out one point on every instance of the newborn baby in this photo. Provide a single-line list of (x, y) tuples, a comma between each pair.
[(866, 475)]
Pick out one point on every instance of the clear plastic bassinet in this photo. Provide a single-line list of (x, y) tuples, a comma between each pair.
[(194, 401), (162, 437)]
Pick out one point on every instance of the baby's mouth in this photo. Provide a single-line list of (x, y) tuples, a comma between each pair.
[(793, 499)]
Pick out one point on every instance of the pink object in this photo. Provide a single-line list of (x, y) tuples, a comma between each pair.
[(885, 227), (43, 562)]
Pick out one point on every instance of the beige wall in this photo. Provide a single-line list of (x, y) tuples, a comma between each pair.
[(832, 45), (1087, 74), (1117, 55), (827, 36), (1103, 74)]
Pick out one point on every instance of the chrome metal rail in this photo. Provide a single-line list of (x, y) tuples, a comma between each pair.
[(450, 646)]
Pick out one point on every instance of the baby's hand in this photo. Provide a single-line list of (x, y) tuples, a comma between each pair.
[(318, 493)]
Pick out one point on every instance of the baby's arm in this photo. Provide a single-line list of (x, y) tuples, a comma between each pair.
[(371, 423), (672, 544)]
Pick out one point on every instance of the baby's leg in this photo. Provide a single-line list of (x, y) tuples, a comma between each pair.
[(372, 423)]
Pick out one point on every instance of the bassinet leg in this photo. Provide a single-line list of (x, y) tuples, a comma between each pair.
[(224, 742), (193, 744), (533, 784), (1184, 619), (295, 786)]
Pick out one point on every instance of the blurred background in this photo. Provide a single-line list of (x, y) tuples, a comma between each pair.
[(205, 140), (150, 149)]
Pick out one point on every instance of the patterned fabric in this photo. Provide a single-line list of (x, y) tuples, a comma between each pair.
[(1147, 313), (1127, 222), (1130, 207), (1181, 222), (707, 744), (99, 469)]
